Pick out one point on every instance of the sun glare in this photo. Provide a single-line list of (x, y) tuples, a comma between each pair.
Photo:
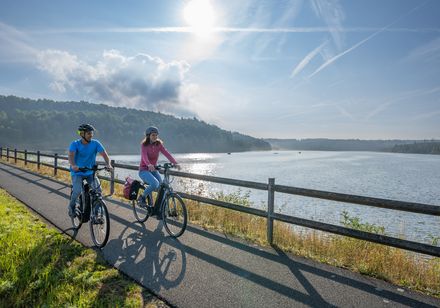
[(199, 14)]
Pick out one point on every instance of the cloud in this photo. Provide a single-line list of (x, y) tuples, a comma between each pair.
[(15, 46), (332, 13), (306, 60), (428, 115), (429, 52), (141, 81)]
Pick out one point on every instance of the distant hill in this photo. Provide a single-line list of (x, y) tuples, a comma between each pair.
[(420, 147), (349, 145), (49, 125)]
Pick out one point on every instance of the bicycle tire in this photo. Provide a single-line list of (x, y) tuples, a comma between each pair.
[(174, 215), (77, 220), (99, 224), (141, 213)]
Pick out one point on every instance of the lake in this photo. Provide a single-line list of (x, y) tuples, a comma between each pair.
[(404, 177)]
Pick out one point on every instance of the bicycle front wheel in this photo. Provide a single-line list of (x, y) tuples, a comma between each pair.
[(141, 211), (174, 215), (99, 224)]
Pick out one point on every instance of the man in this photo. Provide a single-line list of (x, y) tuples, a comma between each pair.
[(82, 153)]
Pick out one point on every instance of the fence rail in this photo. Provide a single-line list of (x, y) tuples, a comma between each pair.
[(270, 215)]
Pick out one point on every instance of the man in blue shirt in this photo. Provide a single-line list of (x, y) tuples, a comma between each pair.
[(82, 153)]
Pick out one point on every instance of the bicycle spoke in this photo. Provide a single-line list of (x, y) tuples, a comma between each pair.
[(100, 224), (174, 215), (141, 212)]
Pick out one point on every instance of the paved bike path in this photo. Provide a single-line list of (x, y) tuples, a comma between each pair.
[(207, 269)]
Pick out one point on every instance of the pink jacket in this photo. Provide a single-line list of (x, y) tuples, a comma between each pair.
[(150, 154)]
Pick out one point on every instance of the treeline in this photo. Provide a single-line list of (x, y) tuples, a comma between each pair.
[(48, 125), (345, 145), (426, 147)]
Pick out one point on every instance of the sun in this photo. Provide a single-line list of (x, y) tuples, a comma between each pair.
[(199, 14)]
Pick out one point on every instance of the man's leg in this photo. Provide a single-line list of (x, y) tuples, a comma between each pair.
[(94, 183), (76, 191)]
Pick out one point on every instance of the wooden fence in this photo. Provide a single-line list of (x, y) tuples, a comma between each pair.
[(271, 189)]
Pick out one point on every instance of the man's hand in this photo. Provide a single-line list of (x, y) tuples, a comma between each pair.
[(109, 167), (75, 168)]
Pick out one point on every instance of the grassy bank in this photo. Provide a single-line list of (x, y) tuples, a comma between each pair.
[(41, 267), (390, 264)]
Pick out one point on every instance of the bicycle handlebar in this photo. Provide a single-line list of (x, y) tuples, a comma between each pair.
[(165, 166), (94, 168)]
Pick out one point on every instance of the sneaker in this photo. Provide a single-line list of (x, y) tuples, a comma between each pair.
[(71, 212), (141, 201)]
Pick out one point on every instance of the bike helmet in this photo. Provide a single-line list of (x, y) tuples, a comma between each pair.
[(151, 129), (86, 128)]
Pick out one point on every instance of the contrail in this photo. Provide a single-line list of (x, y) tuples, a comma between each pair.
[(307, 59), (230, 30), (330, 61)]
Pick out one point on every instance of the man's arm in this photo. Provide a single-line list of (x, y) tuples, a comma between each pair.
[(107, 159), (72, 161)]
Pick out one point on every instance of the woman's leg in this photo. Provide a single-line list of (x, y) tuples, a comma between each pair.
[(149, 178), (156, 174)]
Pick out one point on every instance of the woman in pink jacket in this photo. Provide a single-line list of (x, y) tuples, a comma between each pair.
[(151, 146)]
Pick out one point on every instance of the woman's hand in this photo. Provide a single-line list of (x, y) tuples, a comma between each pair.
[(177, 166), (151, 168)]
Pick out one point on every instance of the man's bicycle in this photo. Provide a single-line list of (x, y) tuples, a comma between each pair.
[(168, 206), (90, 207)]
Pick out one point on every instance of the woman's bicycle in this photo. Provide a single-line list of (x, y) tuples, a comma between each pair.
[(168, 206), (90, 207)]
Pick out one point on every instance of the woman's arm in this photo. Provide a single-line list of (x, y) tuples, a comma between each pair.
[(167, 154)]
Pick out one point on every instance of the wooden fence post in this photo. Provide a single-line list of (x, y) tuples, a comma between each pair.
[(270, 209), (25, 157), (112, 178), (15, 156), (38, 160), (7, 154), (1, 152), (55, 164)]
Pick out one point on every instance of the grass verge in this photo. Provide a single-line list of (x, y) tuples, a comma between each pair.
[(41, 267)]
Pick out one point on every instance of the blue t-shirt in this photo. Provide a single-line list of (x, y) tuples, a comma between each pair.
[(85, 155)]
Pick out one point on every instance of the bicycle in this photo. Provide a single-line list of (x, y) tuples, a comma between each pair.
[(90, 207), (168, 206)]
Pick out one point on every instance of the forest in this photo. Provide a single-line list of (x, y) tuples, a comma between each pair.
[(51, 125)]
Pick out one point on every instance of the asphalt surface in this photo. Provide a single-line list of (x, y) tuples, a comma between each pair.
[(207, 269)]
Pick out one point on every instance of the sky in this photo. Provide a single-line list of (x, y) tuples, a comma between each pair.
[(365, 69)]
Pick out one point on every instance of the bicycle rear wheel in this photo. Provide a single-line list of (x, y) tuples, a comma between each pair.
[(100, 224), (174, 215), (141, 212), (77, 220)]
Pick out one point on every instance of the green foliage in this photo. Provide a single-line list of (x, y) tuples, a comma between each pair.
[(355, 223), (50, 125), (237, 197), (425, 147)]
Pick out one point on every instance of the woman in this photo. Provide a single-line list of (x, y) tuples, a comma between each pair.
[(151, 146)]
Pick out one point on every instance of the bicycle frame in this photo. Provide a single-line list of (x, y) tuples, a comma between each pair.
[(93, 193), (165, 189)]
